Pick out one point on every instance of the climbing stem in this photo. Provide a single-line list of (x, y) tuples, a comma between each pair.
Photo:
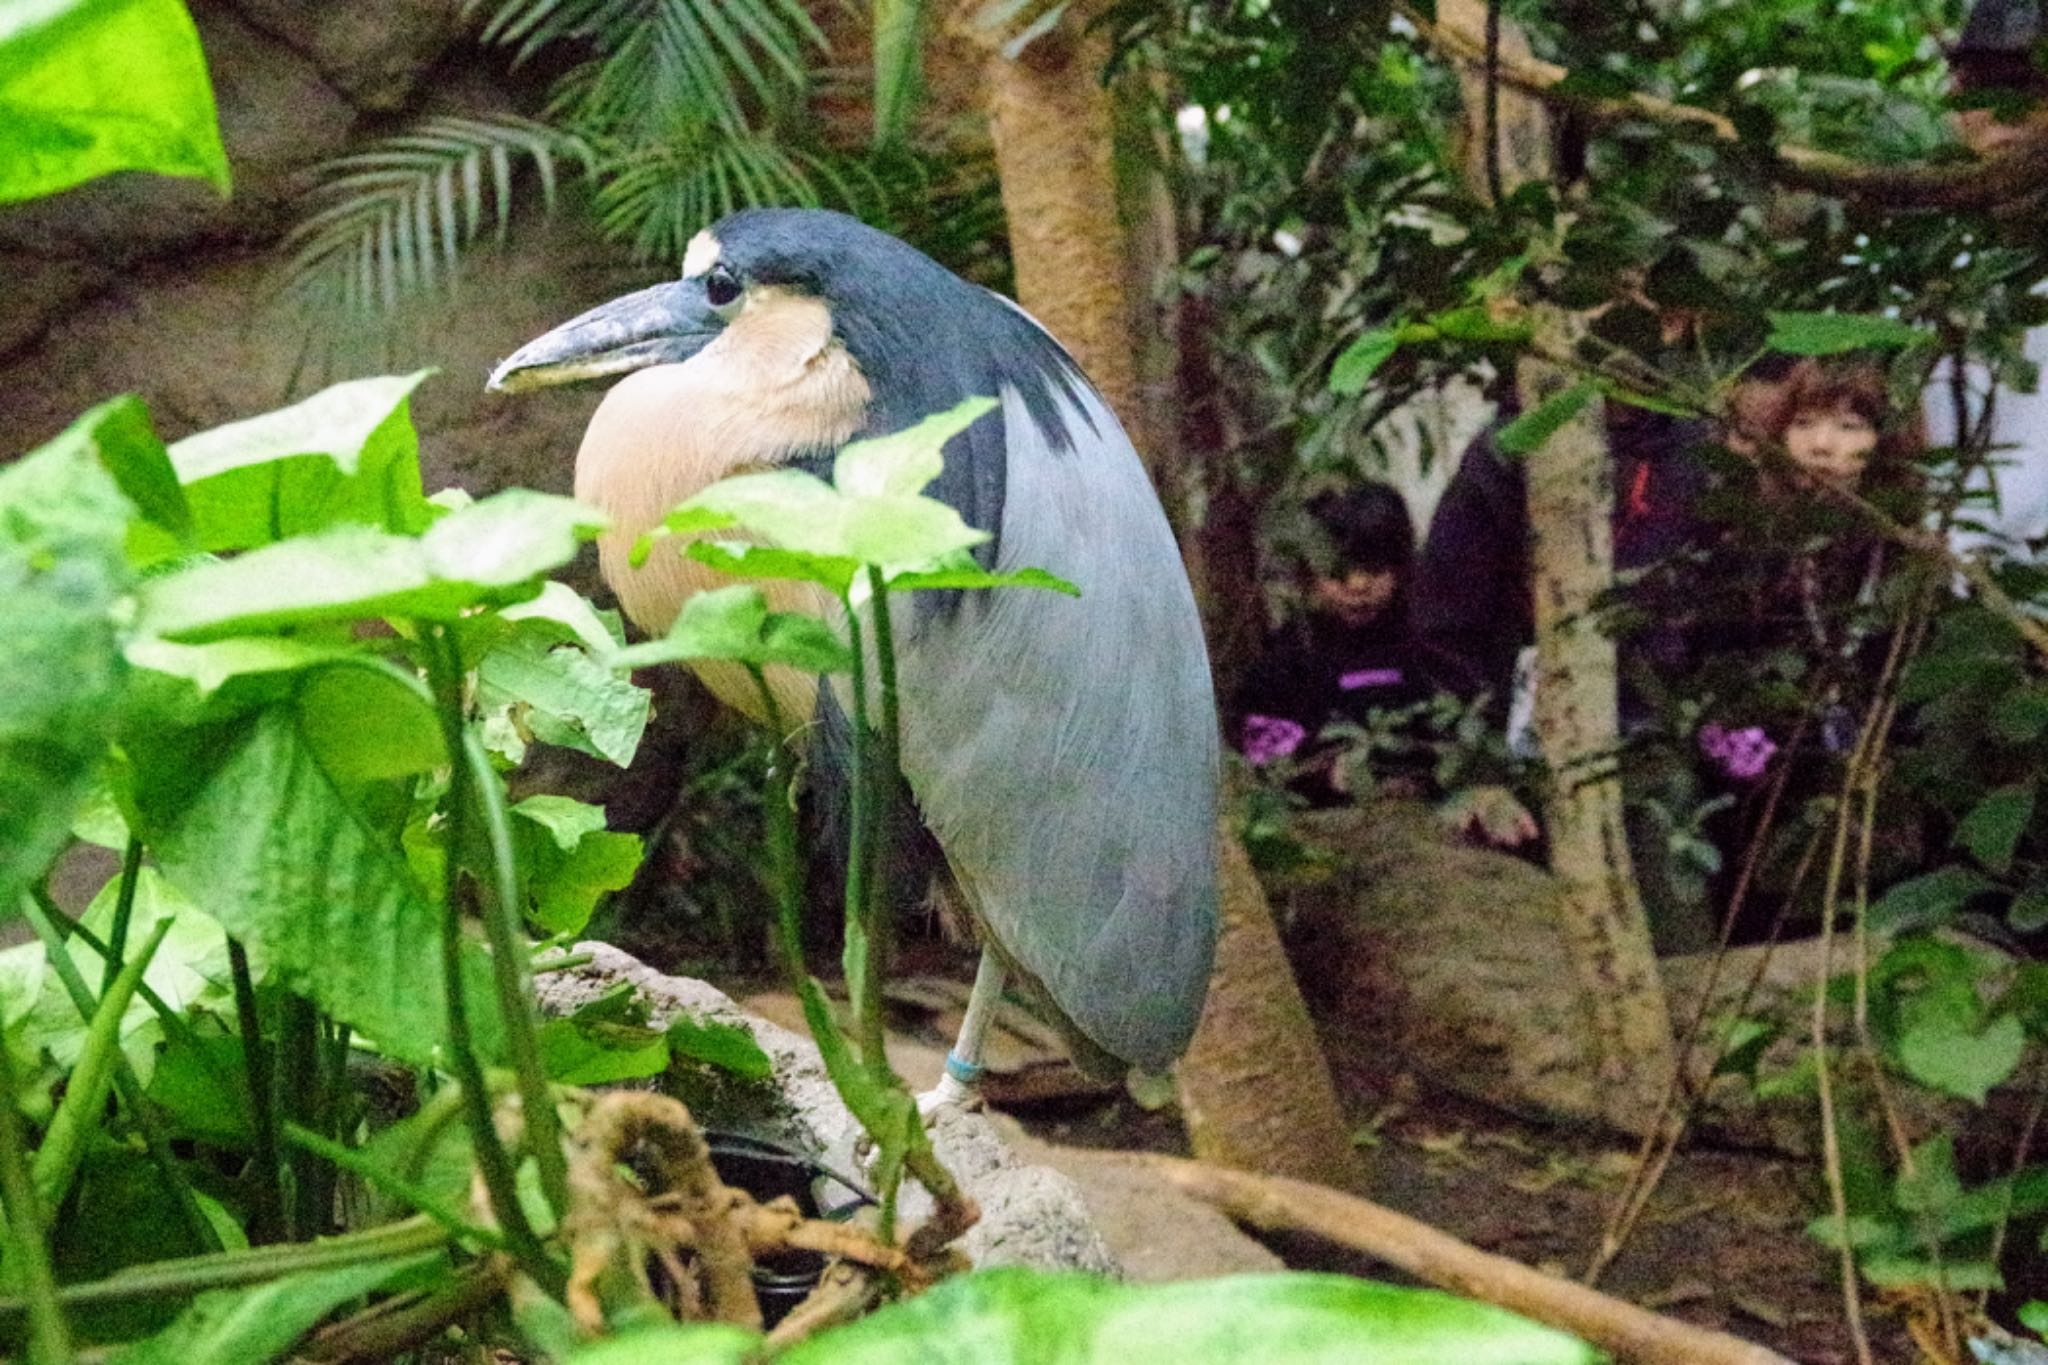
[(859, 837), (124, 906), (882, 774), (49, 1342), (266, 1214), (512, 973), (493, 1162), (125, 1083)]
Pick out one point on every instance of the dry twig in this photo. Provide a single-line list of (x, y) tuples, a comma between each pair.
[(1277, 1204)]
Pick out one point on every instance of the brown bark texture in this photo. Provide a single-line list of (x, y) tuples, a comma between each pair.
[(1055, 154), (1254, 1085), (1571, 555), (1605, 929), (1255, 1088)]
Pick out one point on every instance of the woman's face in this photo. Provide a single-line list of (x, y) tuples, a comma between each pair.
[(1358, 597), (1831, 445)]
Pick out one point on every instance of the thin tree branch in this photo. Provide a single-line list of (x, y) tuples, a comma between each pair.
[(2014, 172)]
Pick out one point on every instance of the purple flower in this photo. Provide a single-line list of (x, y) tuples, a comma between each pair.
[(1269, 737), (1369, 677), (1742, 754)]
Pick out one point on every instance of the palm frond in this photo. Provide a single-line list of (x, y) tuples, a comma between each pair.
[(392, 221), (899, 50), (658, 199), (663, 62)]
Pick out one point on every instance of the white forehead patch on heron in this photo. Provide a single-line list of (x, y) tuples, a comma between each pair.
[(701, 254)]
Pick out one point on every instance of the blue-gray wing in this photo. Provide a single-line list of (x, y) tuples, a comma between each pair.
[(1063, 750)]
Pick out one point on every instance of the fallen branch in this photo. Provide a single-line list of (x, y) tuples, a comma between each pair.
[(1277, 1204)]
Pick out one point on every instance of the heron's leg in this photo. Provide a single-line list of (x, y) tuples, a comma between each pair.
[(963, 1063)]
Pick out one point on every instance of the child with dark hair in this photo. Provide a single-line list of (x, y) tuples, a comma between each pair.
[(1350, 652)]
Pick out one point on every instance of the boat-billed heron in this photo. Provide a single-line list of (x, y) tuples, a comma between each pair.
[(1061, 751)]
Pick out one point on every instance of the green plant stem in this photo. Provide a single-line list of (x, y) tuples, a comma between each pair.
[(296, 1100), (226, 1270), (854, 956), (266, 1212), (174, 1023), (784, 857), (49, 1341), (124, 907), (126, 1085), (512, 972), (493, 1162), (82, 1111), (563, 964), (397, 1186), (882, 776)]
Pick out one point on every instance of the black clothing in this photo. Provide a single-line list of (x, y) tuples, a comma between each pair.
[(1317, 671), (1472, 590)]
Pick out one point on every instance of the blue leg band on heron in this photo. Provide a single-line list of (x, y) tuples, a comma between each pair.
[(962, 1070)]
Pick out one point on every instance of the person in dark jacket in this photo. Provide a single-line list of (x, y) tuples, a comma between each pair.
[(1473, 611), (1351, 652), (1474, 589)]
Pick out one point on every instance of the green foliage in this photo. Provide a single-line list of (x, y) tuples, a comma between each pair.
[(1839, 333), (677, 112), (89, 87), (1020, 1316), (395, 218), (262, 1323), (63, 523), (1536, 426)]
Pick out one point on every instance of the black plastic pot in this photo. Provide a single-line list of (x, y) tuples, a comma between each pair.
[(768, 1170)]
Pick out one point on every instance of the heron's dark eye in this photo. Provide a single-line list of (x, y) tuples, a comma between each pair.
[(721, 286)]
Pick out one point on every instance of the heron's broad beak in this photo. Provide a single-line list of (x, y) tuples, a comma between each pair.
[(664, 325)]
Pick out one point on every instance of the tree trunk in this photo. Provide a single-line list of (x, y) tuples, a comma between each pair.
[(1055, 155), (1255, 1086), (1576, 717), (1605, 929)]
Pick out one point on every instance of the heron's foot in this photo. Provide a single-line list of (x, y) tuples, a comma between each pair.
[(950, 1093)]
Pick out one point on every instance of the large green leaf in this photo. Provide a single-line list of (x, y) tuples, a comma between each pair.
[(735, 624), (250, 824), (871, 514), (730, 1047), (63, 570), (260, 1324), (903, 462), (1928, 900), (368, 720), (570, 860), (119, 435), (795, 511), (1947, 1050), (190, 971), (1992, 829), (1024, 1317), (491, 552), (347, 454), (88, 87), (564, 697)]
